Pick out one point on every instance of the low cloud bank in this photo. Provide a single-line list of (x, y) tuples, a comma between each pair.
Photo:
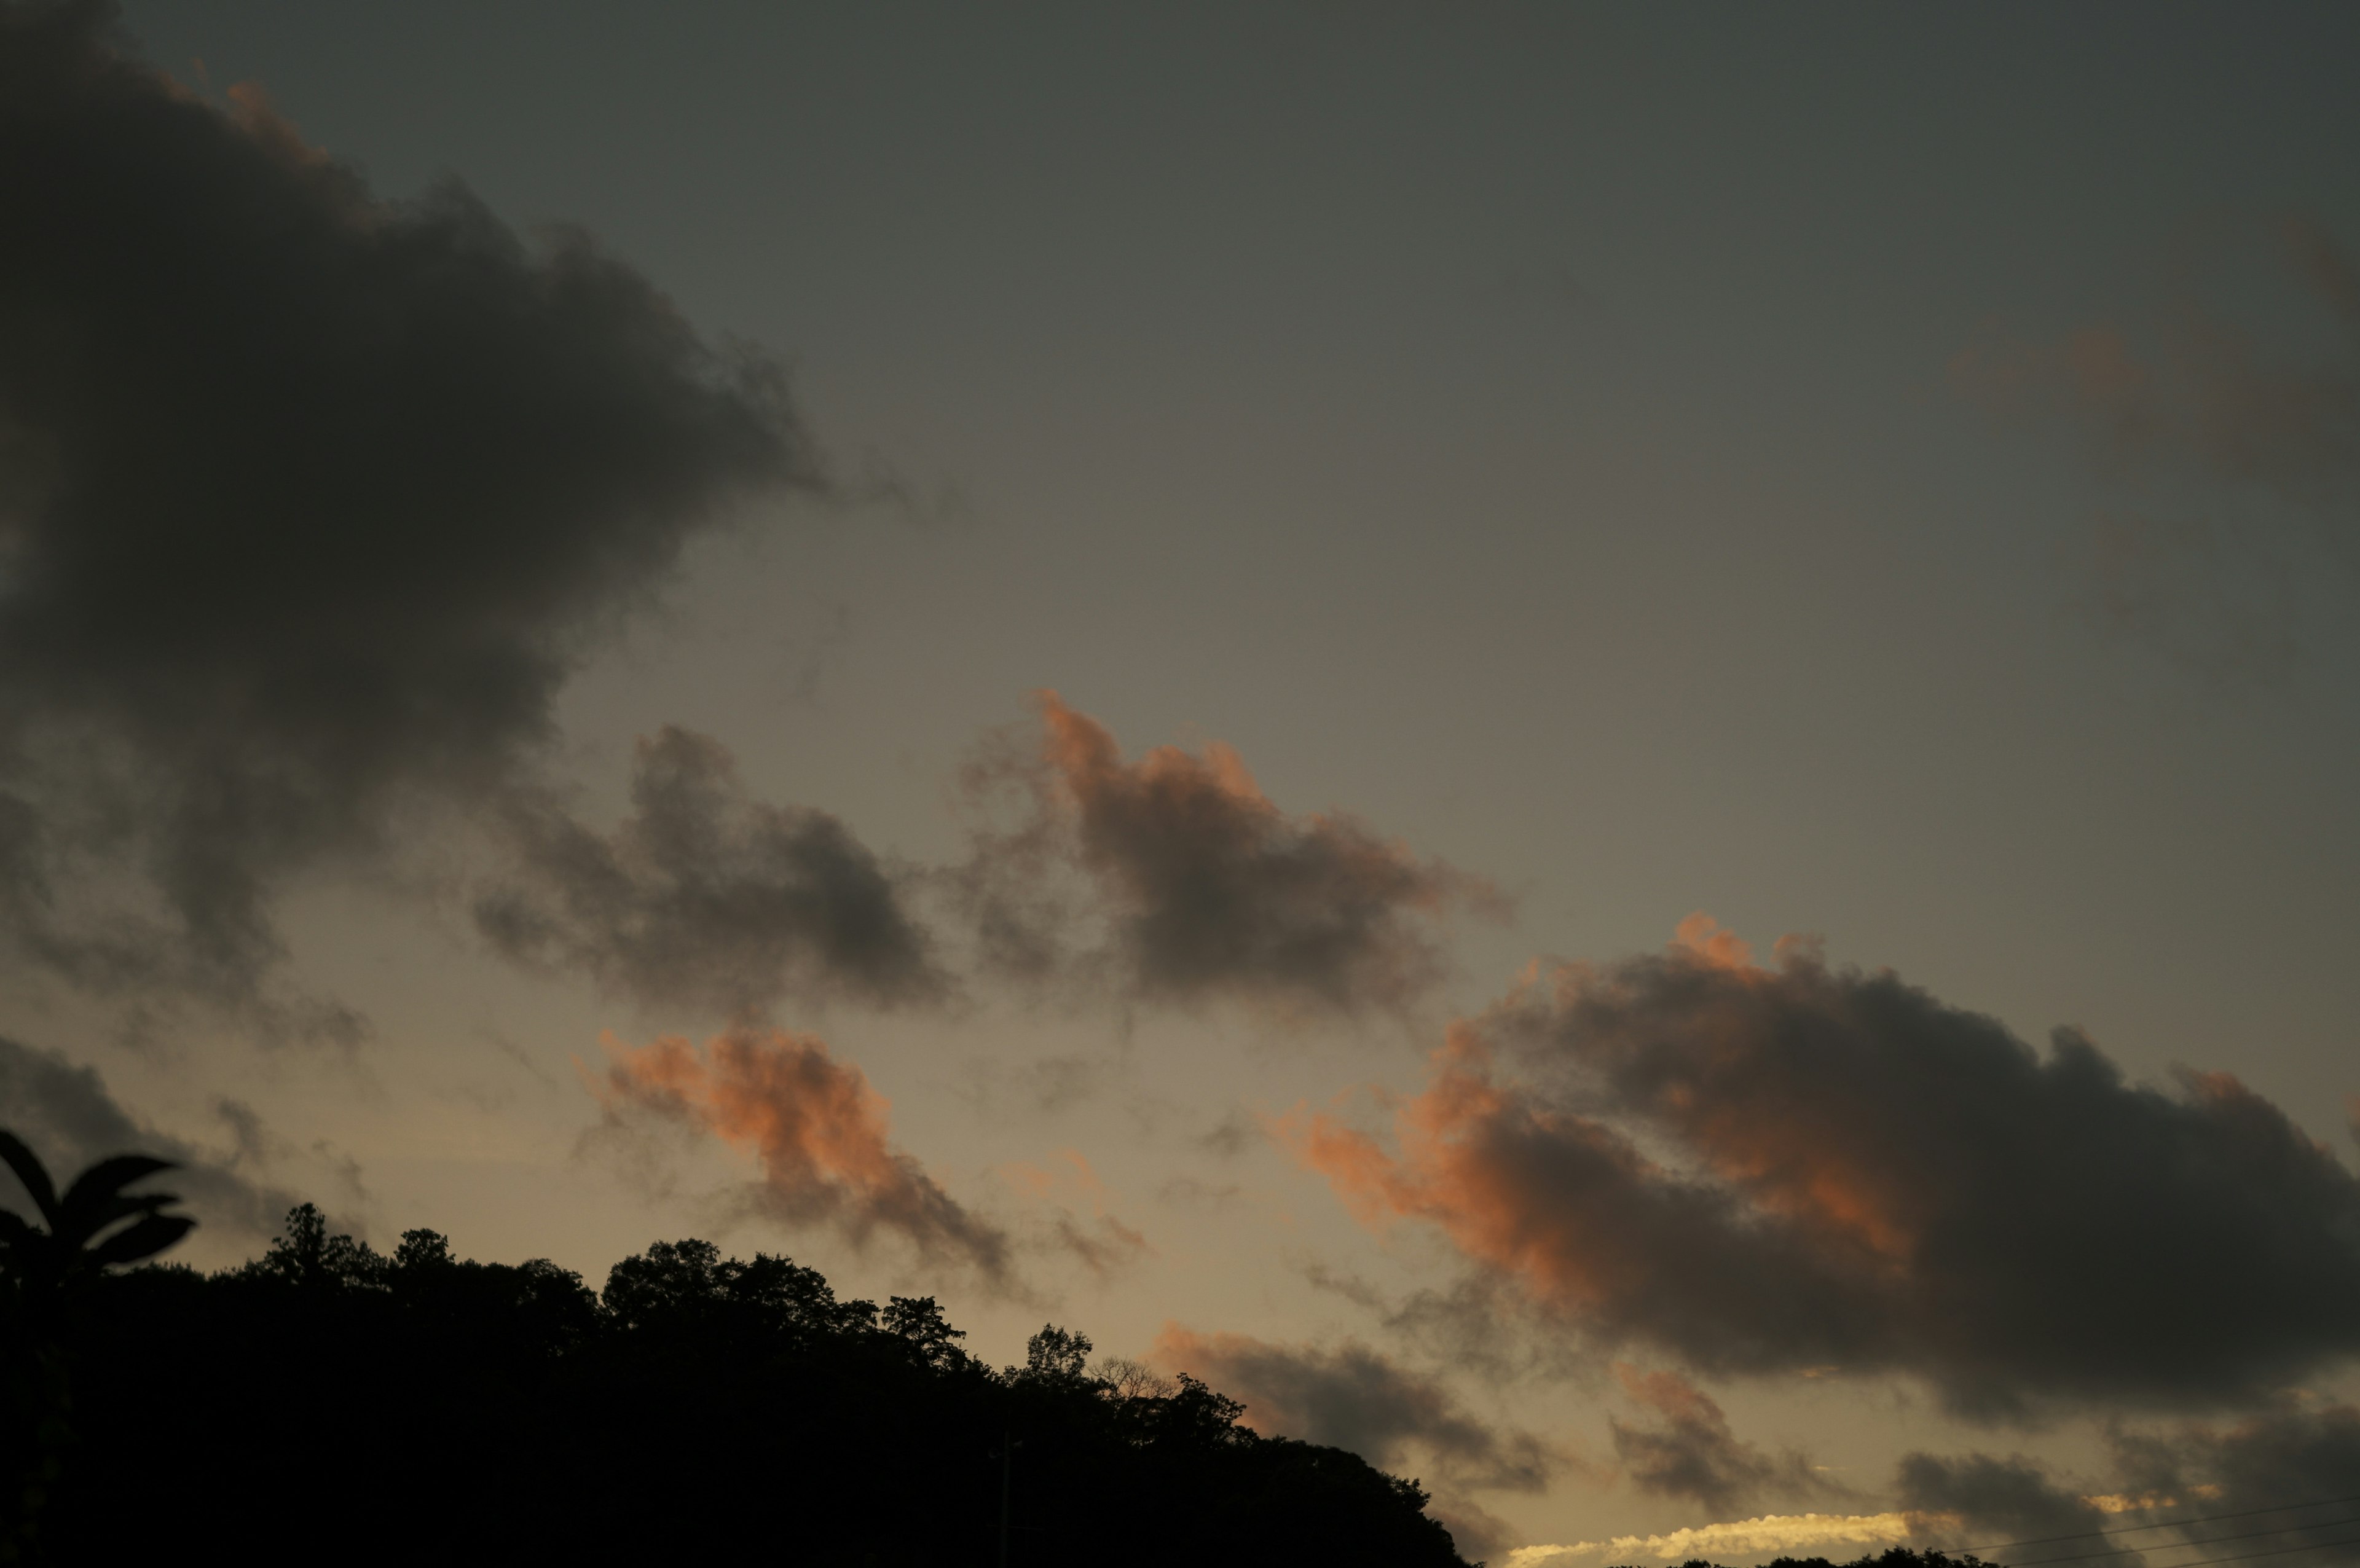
[(1837, 1536)]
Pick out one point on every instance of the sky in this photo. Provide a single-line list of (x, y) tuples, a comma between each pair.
[(1607, 750)]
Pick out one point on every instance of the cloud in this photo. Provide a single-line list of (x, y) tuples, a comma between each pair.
[(309, 501), (1102, 1243), (1210, 891), (1783, 1535), (818, 1131), (1980, 1499), (1689, 1452), (2267, 1483), (2222, 461), (1479, 1322), (65, 1113), (1477, 1534), (1805, 1168), (702, 897), (2299, 1449), (1352, 1397)]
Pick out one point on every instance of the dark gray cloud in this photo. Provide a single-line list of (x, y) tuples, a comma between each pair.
[(309, 503), (2228, 456), (1353, 1397), (66, 1114), (1686, 1449), (705, 899), (2300, 1451), (2271, 1484), (1983, 1500), (1809, 1168), (1206, 890)]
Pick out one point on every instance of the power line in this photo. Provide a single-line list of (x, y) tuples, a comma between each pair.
[(2167, 1524), (2273, 1552), (2176, 1545)]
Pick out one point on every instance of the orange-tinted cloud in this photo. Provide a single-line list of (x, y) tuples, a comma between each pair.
[(1703, 935), (816, 1128), (1566, 1205), (1211, 891), (1802, 1168)]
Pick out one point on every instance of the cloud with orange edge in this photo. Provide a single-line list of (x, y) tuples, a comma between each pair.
[(1208, 890), (816, 1128), (1800, 1168)]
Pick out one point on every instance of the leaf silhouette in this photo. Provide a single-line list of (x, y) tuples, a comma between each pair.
[(31, 1172), (99, 1184), (71, 1251), (149, 1237)]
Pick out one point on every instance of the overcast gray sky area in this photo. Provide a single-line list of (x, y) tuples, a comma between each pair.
[(1610, 750)]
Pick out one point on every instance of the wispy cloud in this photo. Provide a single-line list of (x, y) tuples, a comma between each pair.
[(1097, 1239), (1688, 1450), (2227, 464)]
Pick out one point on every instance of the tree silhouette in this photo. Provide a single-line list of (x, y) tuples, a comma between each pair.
[(700, 1406), (45, 1268), (42, 1266), (1058, 1356), (303, 1253)]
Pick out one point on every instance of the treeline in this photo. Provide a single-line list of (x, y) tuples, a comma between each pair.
[(326, 1403)]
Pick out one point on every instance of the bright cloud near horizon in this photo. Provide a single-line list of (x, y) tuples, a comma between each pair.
[(1608, 751)]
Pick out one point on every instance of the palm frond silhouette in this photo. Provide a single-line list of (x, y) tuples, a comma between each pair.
[(94, 1225)]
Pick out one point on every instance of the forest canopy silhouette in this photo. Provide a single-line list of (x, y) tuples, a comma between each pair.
[(325, 1399), (328, 1401)]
